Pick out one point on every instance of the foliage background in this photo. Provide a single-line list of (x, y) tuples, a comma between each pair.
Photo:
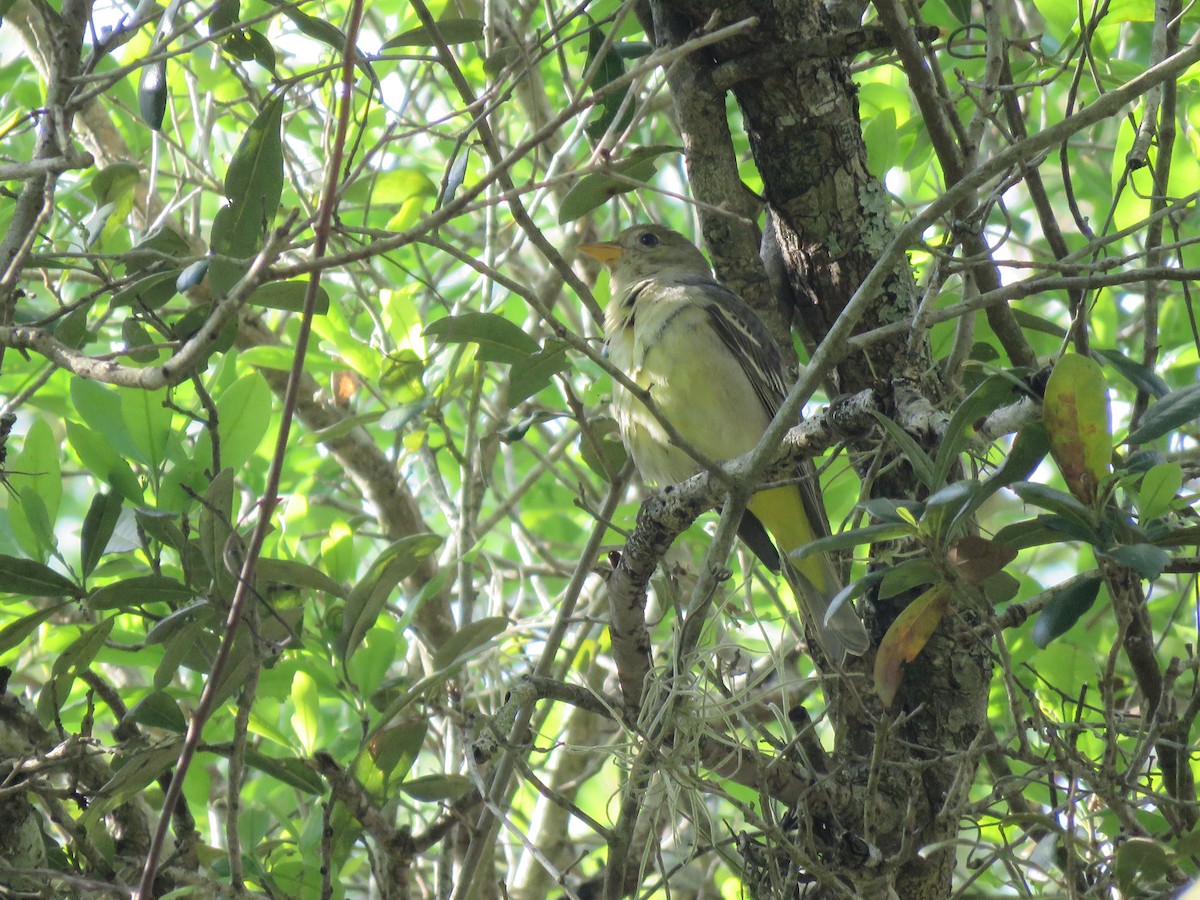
[(451, 489)]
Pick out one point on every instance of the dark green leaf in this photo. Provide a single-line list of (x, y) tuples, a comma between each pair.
[(597, 188), (1029, 448), (1145, 559), (138, 591), (499, 339), (200, 611), (1139, 376), (1175, 410), (921, 464), (435, 788), (139, 346), (254, 182), (531, 374), (611, 67), (992, 393), (292, 772), (158, 710), (1055, 501), (15, 633), (1064, 609), (224, 14), (1031, 322), (294, 572), (32, 579), (366, 601), (98, 525), (289, 295), (453, 31), (261, 47), (470, 637), (149, 292)]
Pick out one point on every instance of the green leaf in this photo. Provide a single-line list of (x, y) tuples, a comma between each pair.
[(944, 508), (1056, 501), (289, 296), (294, 572), (1142, 865), (77, 657), (261, 48), (1159, 488), (115, 181), (916, 457), (290, 771), (148, 420), (499, 339), (594, 190), (216, 527), (253, 186), (394, 749), (471, 636), (601, 447), (100, 409), (32, 579), (139, 590), (610, 68), (255, 174), (305, 711), (1064, 609), (1175, 410), (98, 525), (150, 292), (15, 633), (157, 250), (244, 413), (1078, 423), (35, 475), (453, 31), (435, 788), (531, 374), (883, 147), (158, 710), (1146, 560), (394, 564), (1141, 377), (1029, 448), (98, 457), (992, 393)]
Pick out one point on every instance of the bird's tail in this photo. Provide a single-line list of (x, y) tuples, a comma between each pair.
[(844, 634)]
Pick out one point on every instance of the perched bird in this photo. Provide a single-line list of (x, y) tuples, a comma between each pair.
[(718, 377)]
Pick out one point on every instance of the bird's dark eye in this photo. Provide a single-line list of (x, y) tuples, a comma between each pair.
[(648, 239)]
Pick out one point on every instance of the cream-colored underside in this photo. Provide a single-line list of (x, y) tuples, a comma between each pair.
[(675, 354)]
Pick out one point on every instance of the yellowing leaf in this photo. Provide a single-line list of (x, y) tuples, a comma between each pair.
[(906, 638), (1077, 419)]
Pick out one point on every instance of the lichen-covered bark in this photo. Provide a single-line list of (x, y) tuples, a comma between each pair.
[(901, 772)]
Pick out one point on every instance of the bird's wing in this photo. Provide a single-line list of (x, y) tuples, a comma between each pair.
[(743, 332), (747, 338)]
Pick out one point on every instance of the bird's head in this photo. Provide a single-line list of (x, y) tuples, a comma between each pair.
[(648, 251)]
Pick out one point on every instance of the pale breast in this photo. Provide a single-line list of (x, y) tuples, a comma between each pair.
[(704, 393)]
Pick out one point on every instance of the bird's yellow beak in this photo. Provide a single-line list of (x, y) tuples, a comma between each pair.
[(605, 251)]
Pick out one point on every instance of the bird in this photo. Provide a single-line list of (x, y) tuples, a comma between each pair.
[(713, 369)]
